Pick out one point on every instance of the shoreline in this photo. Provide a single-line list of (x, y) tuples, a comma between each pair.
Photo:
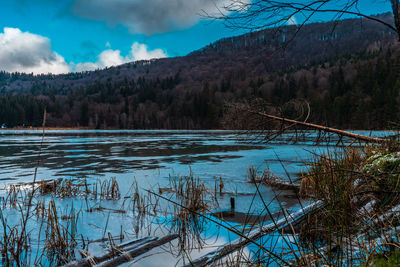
[(117, 129)]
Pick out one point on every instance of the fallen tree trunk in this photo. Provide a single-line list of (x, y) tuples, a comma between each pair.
[(314, 126), (91, 260), (137, 251), (124, 252), (254, 235)]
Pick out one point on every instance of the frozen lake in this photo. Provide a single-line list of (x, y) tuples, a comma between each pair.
[(150, 157), (153, 159)]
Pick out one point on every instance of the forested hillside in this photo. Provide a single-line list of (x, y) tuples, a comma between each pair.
[(348, 71)]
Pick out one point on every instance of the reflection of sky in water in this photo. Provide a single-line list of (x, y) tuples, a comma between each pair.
[(153, 158), (149, 156)]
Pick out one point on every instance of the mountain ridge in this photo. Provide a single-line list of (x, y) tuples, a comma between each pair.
[(188, 92)]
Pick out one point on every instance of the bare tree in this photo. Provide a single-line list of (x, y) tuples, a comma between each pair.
[(261, 14)]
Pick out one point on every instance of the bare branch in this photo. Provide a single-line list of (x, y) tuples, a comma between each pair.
[(262, 14)]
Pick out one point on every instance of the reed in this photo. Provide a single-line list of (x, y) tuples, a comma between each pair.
[(357, 223), (60, 239), (192, 198), (359, 187)]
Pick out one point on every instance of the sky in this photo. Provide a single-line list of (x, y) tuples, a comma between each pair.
[(60, 36)]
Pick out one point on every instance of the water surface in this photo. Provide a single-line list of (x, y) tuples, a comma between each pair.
[(154, 159), (151, 157)]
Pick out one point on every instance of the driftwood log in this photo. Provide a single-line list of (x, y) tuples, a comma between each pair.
[(214, 256), (124, 252)]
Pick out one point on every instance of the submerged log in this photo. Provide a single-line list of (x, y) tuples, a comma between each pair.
[(254, 235), (124, 252)]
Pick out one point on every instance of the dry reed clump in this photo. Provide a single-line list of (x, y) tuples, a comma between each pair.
[(109, 189), (58, 244), (140, 203), (48, 187), (193, 199), (359, 189), (60, 239), (12, 197), (106, 189), (67, 188), (14, 244), (56, 230)]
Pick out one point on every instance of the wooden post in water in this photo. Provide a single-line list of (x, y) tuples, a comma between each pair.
[(232, 206)]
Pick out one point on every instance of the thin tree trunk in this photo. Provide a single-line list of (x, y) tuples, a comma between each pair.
[(396, 15)]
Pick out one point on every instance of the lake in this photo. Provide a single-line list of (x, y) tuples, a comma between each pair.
[(150, 157), (153, 159)]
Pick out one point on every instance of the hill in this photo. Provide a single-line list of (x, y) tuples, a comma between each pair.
[(346, 69)]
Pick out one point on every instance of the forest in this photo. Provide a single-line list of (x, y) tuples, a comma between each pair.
[(353, 84)]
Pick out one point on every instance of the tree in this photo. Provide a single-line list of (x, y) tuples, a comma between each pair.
[(262, 14)]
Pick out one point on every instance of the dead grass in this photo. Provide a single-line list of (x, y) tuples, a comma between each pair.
[(191, 194), (360, 213), (356, 192), (59, 237)]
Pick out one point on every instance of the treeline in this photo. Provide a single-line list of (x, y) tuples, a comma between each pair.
[(348, 72), (357, 92), (129, 104), (352, 93)]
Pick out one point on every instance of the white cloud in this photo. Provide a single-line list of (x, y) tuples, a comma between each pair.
[(27, 52), (110, 57), (152, 16), (140, 52), (88, 66), (32, 53)]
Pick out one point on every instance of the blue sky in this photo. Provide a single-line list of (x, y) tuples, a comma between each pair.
[(69, 35)]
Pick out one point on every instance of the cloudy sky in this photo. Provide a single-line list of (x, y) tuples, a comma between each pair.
[(60, 36)]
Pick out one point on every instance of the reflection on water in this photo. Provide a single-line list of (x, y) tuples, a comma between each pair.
[(152, 157), (83, 153)]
